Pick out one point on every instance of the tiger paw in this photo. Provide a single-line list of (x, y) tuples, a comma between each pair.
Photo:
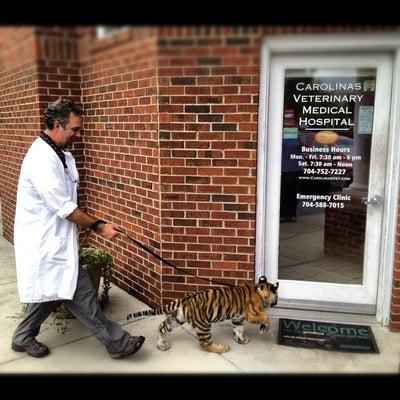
[(217, 348), (264, 328), (163, 345), (242, 340)]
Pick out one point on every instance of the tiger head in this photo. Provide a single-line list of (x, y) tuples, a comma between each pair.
[(268, 291)]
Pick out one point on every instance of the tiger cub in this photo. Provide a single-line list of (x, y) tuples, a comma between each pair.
[(201, 309)]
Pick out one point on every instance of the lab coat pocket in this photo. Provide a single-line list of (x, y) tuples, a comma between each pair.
[(51, 275), (54, 250)]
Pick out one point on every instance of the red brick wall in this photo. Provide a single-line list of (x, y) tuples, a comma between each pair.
[(119, 90), (395, 304), (19, 112), (37, 65), (208, 104), (58, 69)]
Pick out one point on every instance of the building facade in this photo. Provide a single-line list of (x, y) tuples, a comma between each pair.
[(231, 151)]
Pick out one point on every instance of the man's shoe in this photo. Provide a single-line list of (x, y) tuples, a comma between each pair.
[(33, 348), (133, 345)]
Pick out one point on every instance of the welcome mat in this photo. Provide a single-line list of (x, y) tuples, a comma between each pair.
[(326, 336)]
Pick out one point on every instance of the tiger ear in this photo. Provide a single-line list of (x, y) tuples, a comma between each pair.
[(262, 279), (277, 285)]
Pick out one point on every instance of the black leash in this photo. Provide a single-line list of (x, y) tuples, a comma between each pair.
[(170, 264)]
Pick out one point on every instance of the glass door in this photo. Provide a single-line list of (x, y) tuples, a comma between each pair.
[(327, 143)]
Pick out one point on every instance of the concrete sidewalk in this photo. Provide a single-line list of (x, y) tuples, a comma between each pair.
[(77, 351)]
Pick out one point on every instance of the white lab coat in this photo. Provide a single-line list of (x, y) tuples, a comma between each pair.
[(45, 242)]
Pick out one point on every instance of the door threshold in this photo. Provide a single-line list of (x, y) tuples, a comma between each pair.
[(326, 316)]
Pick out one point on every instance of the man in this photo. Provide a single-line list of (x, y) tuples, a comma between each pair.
[(46, 239)]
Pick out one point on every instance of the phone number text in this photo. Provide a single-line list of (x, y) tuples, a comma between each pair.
[(321, 204), (324, 171)]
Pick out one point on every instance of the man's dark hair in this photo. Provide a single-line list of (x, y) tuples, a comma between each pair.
[(60, 111)]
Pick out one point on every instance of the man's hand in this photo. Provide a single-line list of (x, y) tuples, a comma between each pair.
[(109, 231), (106, 230)]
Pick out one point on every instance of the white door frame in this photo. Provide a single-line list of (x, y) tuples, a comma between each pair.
[(332, 296), (324, 44)]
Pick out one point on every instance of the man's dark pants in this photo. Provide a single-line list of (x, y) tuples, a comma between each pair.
[(85, 307)]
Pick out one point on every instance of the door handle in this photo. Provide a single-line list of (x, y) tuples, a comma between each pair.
[(375, 200)]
